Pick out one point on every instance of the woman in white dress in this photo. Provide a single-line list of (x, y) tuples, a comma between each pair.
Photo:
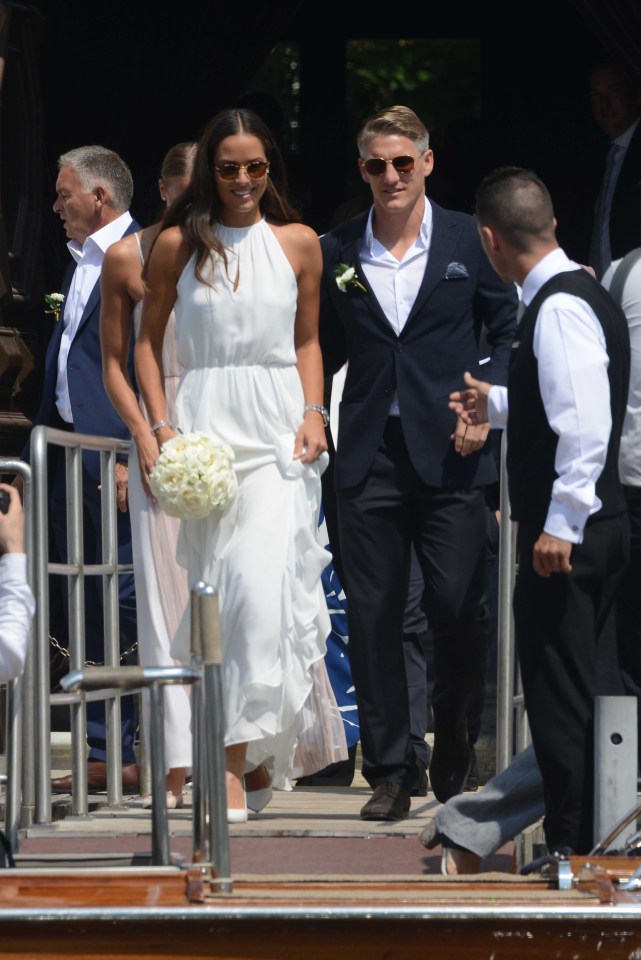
[(161, 584), (242, 276)]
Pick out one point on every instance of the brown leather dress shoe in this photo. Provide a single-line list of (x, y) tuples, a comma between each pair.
[(390, 801), (97, 778)]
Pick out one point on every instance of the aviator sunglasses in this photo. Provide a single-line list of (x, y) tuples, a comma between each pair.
[(255, 169), (376, 166)]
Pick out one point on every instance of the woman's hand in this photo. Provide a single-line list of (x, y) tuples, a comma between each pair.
[(151, 454), (147, 448), (311, 441)]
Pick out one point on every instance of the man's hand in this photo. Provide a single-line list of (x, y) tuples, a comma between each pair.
[(471, 405), (467, 438), (12, 523), (18, 484), (551, 555), (122, 486)]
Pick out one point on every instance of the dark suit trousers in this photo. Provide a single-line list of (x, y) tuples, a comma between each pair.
[(379, 520), (565, 626), (94, 623)]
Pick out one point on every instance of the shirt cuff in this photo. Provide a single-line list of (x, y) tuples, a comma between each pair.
[(13, 566), (497, 407), (565, 522)]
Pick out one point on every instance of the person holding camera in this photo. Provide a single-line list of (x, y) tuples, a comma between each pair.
[(17, 605)]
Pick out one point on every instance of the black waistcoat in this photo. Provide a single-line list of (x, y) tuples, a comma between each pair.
[(531, 442)]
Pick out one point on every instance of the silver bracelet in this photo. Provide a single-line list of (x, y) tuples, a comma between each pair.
[(161, 423), (317, 407)]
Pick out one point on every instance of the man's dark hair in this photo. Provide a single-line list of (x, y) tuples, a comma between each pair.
[(516, 203)]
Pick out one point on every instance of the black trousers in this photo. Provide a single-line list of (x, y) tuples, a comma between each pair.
[(566, 641), (379, 520)]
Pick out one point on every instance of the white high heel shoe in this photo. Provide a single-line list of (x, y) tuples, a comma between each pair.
[(257, 800)]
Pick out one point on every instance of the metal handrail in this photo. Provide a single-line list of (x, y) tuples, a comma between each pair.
[(108, 448), (512, 734)]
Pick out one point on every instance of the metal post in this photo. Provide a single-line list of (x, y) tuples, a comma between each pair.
[(76, 593), (506, 646), (160, 824), (615, 761), (198, 809), (214, 735), (42, 754), (111, 620)]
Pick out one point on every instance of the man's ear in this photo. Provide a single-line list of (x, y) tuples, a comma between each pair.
[(490, 238), (101, 194), (363, 171)]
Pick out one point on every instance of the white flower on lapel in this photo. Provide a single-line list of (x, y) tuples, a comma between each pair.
[(456, 271), (346, 277), (54, 302)]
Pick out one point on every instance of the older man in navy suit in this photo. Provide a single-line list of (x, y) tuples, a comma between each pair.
[(406, 291), (93, 192)]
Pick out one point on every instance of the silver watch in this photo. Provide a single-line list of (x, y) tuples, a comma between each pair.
[(324, 412)]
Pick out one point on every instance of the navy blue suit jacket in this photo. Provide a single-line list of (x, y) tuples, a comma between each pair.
[(460, 296), (93, 412)]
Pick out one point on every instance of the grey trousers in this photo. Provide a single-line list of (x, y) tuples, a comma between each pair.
[(508, 803)]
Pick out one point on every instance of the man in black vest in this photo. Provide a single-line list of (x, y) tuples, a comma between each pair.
[(567, 390)]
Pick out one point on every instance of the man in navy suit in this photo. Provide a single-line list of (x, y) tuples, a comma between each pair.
[(93, 192), (615, 100), (405, 293)]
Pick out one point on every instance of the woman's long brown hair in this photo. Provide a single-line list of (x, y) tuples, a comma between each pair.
[(200, 207)]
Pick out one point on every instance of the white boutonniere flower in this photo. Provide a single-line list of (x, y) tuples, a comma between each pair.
[(193, 476), (53, 304), (346, 277)]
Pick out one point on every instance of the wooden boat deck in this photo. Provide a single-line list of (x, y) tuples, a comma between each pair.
[(310, 881)]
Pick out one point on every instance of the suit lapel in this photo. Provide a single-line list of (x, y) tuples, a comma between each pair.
[(350, 255), (444, 237)]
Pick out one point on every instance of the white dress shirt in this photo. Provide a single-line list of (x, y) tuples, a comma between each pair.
[(630, 452), (89, 258), (396, 283), (17, 607), (573, 379)]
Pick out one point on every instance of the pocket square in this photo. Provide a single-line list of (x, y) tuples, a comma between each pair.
[(456, 271)]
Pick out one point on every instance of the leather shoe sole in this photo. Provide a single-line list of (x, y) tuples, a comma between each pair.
[(97, 779), (390, 801)]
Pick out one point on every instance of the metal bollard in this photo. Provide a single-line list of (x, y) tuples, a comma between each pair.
[(615, 761), (210, 748)]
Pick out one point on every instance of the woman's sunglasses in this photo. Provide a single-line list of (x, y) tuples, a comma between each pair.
[(376, 166), (255, 169)]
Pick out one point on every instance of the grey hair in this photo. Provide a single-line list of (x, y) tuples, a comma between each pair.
[(97, 166)]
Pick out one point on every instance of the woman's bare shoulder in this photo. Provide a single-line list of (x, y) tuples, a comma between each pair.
[(296, 233), (171, 249)]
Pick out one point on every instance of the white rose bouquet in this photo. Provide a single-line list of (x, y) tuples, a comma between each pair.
[(193, 476)]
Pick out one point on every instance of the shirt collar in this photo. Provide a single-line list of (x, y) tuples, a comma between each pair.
[(423, 234), (624, 139), (557, 261), (102, 239)]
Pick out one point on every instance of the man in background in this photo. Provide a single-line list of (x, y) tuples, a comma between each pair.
[(615, 100)]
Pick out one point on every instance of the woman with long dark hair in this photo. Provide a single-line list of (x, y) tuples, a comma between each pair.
[(242, 275)]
